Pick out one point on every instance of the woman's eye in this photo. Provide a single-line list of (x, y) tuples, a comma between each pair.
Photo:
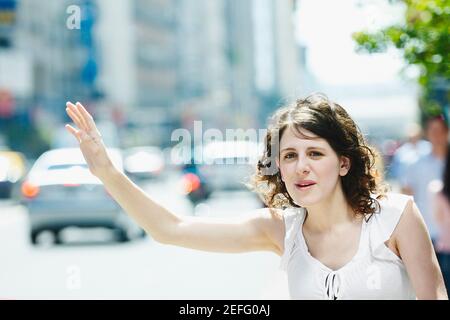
[(315, 154), (289, 155)]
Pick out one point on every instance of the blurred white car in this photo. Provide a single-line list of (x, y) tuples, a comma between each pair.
[(60, 192), (146, 162)]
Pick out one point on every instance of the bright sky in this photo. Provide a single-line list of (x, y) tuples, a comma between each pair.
[(325, 27)]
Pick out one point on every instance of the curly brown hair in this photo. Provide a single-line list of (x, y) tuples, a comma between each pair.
[(328, 120)]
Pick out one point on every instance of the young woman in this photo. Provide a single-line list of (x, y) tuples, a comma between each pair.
[(339, 235)]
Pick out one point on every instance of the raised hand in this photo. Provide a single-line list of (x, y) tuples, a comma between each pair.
[(89, 138)]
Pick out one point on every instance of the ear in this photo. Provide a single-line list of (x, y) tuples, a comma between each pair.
[(344, 166)]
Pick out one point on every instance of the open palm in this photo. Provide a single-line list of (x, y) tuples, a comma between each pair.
[(89, 138)]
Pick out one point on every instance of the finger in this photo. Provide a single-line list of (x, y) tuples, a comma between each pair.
[(84, 137), (92, 128), (73, 131), (86, 116), (74, 118), (74, 115), (75, 110)]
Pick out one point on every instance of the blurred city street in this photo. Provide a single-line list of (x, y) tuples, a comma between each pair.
[(182, 93), (141, 269)]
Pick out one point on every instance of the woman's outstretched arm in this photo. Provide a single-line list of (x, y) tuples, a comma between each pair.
[(261, 230)]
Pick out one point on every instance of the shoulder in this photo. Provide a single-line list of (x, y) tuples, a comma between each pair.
[(393, 203), (275, 223), (278, 218), (409, 223), (385, 221), (270, 222), (276, 215), (398, 221), (267, 215)]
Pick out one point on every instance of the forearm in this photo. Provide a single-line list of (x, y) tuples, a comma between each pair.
[(152, 217)]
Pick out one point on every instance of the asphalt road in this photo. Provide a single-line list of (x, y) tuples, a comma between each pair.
[(90, 265)]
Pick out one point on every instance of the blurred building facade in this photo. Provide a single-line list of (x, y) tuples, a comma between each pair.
[(170, 62), (279, 59), (160, 63), (244, 59), (139, 74), (64, 61)]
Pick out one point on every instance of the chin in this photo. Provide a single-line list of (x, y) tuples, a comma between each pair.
[(305, 204), (306, 201)]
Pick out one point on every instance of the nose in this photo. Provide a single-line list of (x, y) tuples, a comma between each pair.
[(302, 166)]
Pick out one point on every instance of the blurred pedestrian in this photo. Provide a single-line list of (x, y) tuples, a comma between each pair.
[(339, 234), (441, 214), (427, 168), (408, 153)]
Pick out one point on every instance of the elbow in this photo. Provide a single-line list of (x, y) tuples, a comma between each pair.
[(165, 233), (164, 237)]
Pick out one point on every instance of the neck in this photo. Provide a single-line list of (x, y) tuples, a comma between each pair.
[(329, 213)]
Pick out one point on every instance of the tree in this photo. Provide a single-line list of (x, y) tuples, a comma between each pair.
[(423, 38)]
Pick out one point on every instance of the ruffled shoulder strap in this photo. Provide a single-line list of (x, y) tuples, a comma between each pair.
[(293, 218), (384, 223)]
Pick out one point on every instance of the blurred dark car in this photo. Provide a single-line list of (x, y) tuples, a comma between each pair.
[(60, 192), (195, 185), (144, 163), (12, 170)]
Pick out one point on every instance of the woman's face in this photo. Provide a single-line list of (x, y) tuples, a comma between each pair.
[(310, 168)]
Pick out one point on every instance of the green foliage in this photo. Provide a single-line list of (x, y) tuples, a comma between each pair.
[(424, 40)]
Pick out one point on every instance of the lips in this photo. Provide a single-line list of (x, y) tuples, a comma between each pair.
[(305, 184)]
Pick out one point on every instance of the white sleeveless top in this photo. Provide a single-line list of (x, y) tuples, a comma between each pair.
[(375, 272)]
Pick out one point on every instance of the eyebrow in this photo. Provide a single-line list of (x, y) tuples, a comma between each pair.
[(309, 148)]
